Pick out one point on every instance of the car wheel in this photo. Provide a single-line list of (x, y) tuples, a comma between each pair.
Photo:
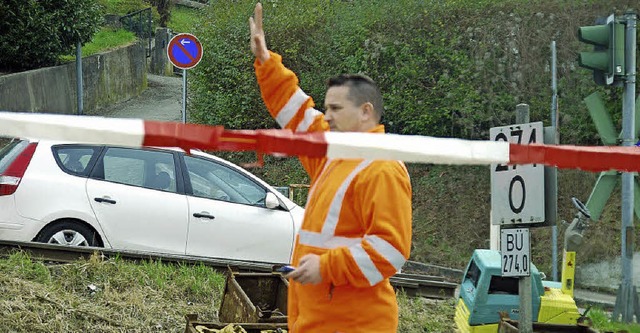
[(68, 233)]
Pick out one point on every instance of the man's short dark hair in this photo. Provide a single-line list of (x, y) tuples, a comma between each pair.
[(362, 89)]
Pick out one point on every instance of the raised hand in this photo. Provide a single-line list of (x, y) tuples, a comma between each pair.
[(258, 43)]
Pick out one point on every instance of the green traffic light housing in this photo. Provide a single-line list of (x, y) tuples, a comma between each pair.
[(607, 58)]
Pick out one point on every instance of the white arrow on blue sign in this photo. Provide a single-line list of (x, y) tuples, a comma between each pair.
[(184, 51)]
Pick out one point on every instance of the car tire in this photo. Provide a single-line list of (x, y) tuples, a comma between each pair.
[(68, 233)]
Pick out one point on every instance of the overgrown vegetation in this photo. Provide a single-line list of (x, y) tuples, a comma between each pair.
[(601, 320), (108, 296), (104, 295), (36, 33)]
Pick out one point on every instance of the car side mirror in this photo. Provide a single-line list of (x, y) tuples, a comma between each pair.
[(271, 201)]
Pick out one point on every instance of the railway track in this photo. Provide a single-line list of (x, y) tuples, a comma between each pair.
[(421, 284)]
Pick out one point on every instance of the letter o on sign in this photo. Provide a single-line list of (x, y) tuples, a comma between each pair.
[(514, 182)]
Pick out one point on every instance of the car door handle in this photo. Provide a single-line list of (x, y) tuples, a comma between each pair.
[(101, 200), (206, 216)]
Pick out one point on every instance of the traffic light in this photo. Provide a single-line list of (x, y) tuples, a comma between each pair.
[(607, 58)]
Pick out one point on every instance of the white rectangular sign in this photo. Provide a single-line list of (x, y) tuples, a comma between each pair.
[(517, 191), (515, 252)]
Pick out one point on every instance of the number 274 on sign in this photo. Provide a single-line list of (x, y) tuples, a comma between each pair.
[(515, 252)]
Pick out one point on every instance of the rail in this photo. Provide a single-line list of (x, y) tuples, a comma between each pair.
[(414, 285)]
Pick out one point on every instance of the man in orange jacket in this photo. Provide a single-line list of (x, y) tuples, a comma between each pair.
[(356, 231)]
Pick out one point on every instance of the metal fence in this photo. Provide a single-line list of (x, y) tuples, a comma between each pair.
[(295, 192), (140, 23)]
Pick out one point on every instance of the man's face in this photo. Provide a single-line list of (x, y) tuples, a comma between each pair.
[(340, 112)]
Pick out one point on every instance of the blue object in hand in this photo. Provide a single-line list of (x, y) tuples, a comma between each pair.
[(286, 269)]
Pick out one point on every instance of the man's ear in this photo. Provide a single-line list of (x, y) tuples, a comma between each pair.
[(368, 112)]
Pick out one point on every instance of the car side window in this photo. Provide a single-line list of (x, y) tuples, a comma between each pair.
[(74, 159), (137, 167), (216, 181)]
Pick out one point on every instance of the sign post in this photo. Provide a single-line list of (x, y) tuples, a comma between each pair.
[(518, 200), (184, 52)]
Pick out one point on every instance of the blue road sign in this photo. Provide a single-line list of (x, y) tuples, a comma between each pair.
[(184, 51)]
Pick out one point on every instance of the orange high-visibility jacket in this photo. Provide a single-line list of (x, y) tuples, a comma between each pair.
[(357, 218)]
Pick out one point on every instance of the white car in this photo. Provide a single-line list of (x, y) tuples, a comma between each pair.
[(142, 199)]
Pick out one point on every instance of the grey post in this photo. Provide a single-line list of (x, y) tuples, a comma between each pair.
[(553, 181), (79, 77), (184, 96), (627, 298), (524, 284)]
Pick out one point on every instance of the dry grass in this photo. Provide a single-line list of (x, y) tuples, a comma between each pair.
[(147, 297), (128, 298)]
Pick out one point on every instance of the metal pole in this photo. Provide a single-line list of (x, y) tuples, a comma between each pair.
[(524, 283), (554, 124), (627, 297), (554, 86), (79, 77), (184, 96)]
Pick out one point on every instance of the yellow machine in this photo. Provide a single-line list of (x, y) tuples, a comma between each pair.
[(484, 293)]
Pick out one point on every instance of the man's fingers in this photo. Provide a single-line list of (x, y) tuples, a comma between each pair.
[(257, 13), (258, 41), (295, 274)]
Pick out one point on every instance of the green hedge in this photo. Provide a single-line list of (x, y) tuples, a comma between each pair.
[(36, 32), (446, 68)]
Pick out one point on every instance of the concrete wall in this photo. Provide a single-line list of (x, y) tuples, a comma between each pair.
[(159, 63), (108, 78)]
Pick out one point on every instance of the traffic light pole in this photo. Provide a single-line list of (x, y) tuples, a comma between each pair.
[(627, 298)]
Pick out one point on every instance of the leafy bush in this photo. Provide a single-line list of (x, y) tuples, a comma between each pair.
[(446, 68), (35, 33)]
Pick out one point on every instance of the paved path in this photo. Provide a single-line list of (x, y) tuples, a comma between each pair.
[(162, 100)]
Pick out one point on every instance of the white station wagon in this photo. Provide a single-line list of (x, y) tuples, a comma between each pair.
[(142, 199)]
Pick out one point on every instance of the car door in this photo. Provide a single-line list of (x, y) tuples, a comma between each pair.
[(228, 217), (138, 201)]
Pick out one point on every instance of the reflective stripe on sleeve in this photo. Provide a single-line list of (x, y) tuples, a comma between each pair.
[(319, 240), (365, 264), (388, 251), (291, 108), (310, 115)]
